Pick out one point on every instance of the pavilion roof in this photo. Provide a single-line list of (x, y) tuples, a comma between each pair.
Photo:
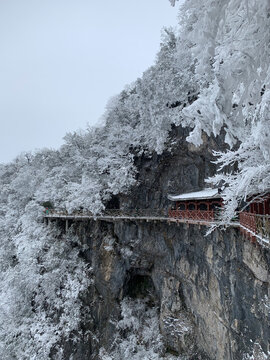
[(207, 193)]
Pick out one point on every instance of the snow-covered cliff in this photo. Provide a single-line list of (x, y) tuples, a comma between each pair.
[(211, 77)]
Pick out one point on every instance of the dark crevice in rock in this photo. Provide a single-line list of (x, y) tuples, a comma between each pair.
[(139, 286)]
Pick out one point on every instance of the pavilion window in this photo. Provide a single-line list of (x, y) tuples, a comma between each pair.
[(203, 206), (191, 206), (182, 206)]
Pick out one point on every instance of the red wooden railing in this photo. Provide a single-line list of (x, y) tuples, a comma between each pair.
[(257, 225), (192, 214), (248, 220)]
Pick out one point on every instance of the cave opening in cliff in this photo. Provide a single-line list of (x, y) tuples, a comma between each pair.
[(140, 286)]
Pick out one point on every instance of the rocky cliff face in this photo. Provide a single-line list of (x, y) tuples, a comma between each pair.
[(180, 169), (212, 292)]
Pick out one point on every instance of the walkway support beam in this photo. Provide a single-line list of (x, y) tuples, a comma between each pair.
[(66, 225)]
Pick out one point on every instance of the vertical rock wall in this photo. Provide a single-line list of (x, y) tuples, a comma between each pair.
[(213, 291)]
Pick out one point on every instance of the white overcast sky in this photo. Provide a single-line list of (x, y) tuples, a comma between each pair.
[(61, 60)]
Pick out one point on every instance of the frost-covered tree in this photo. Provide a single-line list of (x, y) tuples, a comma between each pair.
[(41, 274), (229, 46)]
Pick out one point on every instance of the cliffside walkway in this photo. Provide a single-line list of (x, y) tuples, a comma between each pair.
[(255, 228), (148, 215)]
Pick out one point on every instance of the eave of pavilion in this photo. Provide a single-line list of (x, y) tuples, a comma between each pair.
[(205, 194)]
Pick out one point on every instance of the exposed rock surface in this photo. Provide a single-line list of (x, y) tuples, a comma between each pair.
[(181, 169), (213, 291), (212, 300)]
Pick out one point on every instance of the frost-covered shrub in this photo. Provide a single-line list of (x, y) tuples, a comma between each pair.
[(138, 334), (257, 353), (40, 291)]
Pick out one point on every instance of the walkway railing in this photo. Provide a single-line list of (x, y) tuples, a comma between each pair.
[(148, 213), (193, 214), (137, 213), (197, 216), (257, 225)]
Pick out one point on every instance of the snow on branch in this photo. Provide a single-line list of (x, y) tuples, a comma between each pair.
[(173, 2)]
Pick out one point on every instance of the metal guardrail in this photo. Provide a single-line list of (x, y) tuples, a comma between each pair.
[(113, 213)]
